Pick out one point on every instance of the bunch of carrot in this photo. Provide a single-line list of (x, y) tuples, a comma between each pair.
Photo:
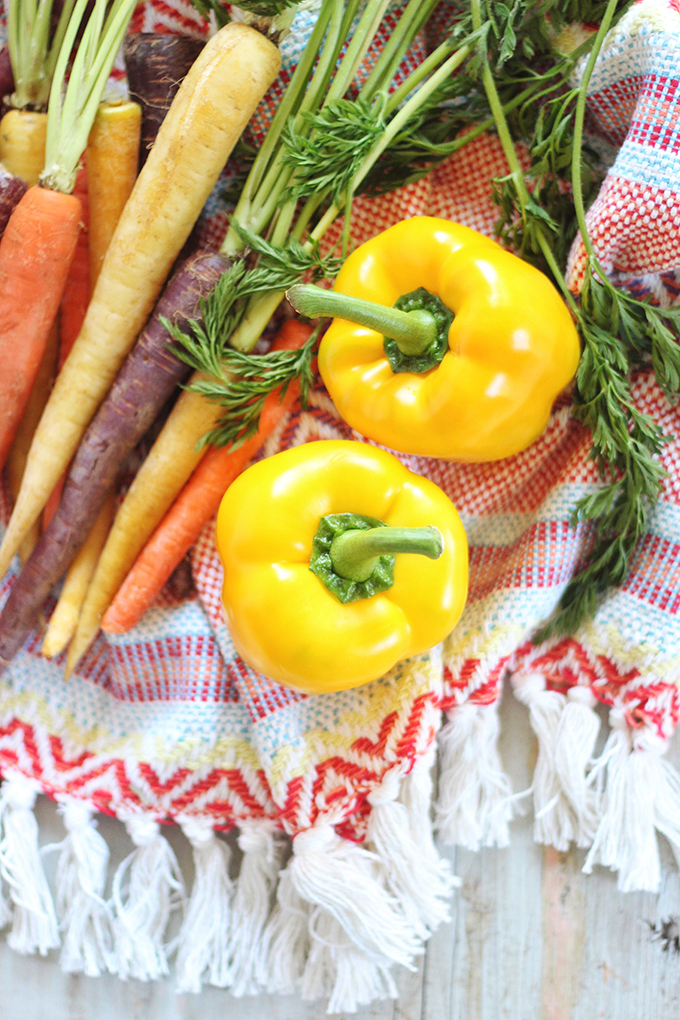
[(109, 390), (116, 373)]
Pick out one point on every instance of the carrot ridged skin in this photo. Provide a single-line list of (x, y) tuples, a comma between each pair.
[(53, 501), (77, 290), (156, 64), (112, 155), (213, 105), (64, 619), (147, 379), (72, 310), (22, 144), (35, 255), (12, 189), (197, 503), (156, 485), (18, 452)]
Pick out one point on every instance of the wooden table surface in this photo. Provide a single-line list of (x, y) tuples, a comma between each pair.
[(531, 938)]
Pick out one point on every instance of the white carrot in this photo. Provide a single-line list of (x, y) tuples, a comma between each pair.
[(64, 619)]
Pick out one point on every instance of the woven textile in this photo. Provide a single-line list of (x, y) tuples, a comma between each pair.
[(168, 724)]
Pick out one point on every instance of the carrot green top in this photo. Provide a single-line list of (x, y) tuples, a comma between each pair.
[(71, 112), (33, 50)]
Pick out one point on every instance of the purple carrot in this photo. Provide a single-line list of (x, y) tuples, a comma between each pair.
[(156, 63), (6, 76), (146, 380), (11, 190)]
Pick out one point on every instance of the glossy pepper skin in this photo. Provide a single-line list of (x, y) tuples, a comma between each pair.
[(512, 346), (283, 621)]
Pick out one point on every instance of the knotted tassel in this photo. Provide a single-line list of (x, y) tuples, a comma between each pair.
[(251, 905), (34, 921), (416, 794), (421, 884), (203, 951), (642, 794), (343, 880), (576, 739), (338, 970), (474, 803), (554, 821), (286, 939), (147, 888), (86, 919)]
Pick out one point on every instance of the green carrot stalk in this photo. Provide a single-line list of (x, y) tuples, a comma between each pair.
[(626, 442), (260, 309), (167, 468), (32, 50)]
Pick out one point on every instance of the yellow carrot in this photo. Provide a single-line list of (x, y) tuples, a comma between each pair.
[(22, 144), (112, 158), (18, 452), (159, 479), (64, 619), (208, 114)]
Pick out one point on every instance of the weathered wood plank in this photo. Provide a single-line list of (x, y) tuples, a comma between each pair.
[(495, 966), (563, 930)]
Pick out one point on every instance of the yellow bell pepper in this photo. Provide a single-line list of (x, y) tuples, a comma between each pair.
[(323, 589), (468, 365)]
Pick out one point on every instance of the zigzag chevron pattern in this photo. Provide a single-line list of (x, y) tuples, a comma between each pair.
[(119, 785)]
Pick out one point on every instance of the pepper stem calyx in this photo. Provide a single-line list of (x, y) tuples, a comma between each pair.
[(415, 329), (353, 555)]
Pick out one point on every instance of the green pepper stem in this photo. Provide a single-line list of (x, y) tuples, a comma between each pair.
[(354, 554), (413, 332)]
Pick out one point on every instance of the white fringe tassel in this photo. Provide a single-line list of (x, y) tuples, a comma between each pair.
[(251, 906), (203, 951), (338, 970), (143, 906), (642, 794), (474, 802), (416, 794), (355, 930), (286, 939), (86, 919), (566, 803), (34, 921), (554, 821), (576, 739), (421, 881)]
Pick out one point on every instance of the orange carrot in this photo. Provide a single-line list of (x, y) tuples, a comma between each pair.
[(35, 255), (197, 503), (77, 291), (18, 453), (72, 309)]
